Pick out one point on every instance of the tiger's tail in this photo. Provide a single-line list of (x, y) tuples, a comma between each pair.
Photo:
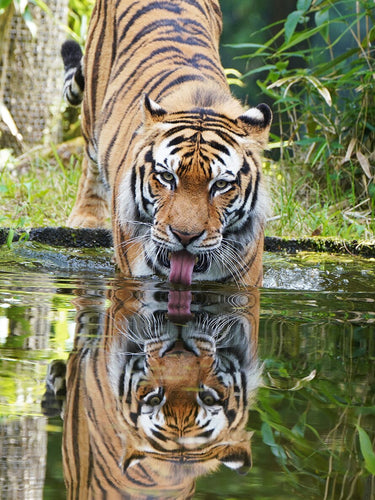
[(74, 82)]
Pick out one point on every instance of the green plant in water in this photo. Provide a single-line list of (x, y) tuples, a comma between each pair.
[(312, 414)]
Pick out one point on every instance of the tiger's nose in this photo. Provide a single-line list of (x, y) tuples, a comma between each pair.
[(185, 238)]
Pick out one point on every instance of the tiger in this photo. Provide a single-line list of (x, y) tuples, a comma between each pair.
[(170, 152), (135, 424)]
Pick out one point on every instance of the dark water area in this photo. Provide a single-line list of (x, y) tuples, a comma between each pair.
[(209, 393)]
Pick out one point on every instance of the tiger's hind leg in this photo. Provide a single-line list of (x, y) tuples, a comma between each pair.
[(91, 206)]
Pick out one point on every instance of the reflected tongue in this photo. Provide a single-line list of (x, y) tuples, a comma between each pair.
[(182, 265)]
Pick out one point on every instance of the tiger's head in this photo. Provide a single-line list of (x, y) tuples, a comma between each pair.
[(195, 195)]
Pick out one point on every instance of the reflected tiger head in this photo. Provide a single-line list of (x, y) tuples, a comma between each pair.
[(185, 388)]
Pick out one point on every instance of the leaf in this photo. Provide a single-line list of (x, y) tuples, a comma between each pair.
[(233, 72), (10, 238), (235, 81), (321, 17), (24, 237), (323, 91), (291, 23), (299, 38), (299, 428), (363, 161), (300, 383), (268, 439), (4, 3), (366, 450), (266, 67), (303, 5), (7, 118), (290, 80), (244, 45), (349, 151), (28, 18), (279, 144), (267, 434), (321, 21)]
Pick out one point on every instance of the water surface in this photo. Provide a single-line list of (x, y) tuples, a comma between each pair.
[(164, 385)]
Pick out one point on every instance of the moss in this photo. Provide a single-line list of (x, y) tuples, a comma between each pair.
[(62, 237), (331, 245), (102, 238)]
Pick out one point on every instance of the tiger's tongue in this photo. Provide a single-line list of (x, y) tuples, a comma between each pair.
[(182, 265)]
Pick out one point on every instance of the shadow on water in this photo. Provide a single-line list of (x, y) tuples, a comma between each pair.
[(153, 392)]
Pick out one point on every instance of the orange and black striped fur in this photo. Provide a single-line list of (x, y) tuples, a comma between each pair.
[(138, 426), (167, 146)]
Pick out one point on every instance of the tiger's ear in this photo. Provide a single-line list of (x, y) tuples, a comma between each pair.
[(238, 456), (257, 121), (152, 112)]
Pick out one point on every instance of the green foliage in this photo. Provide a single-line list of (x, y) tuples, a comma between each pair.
[(4, 4), (367, 450), (318, 70), (79, 15)]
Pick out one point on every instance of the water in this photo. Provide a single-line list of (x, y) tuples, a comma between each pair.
[(158, 381)]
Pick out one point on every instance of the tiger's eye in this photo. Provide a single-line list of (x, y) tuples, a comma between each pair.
[(221, 184), (167, 176), (154, 401), (208, 400)]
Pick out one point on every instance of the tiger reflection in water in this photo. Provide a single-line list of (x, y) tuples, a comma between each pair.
[(151, 404)]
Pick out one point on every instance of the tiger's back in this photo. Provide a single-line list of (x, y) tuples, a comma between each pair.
[(182, 170)]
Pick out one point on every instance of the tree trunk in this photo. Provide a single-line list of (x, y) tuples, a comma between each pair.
[(31, 75)]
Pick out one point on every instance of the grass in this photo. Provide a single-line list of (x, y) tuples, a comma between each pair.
[(302, 207), (38, 194)]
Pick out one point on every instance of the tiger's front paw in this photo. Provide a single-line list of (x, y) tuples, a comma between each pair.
[(86, 221), (80, 221)]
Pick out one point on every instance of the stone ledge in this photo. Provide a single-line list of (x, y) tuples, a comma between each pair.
[(96, 238), (317, 244), (60, 237)]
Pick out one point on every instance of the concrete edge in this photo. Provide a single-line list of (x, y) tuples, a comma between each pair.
[(102, 238)]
